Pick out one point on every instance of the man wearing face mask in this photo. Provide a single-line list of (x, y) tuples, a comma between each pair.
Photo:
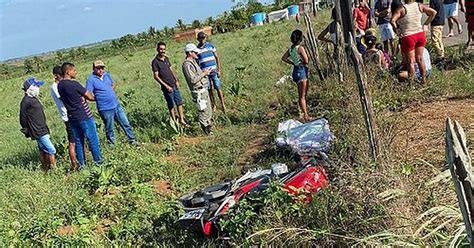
[(33, 123)]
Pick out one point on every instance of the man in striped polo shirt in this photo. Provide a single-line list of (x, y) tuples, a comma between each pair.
[(75, 96), (209, 60)]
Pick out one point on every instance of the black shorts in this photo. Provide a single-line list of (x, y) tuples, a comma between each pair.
[(70, 135)]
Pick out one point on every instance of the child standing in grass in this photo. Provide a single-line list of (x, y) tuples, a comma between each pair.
[(296, 55)]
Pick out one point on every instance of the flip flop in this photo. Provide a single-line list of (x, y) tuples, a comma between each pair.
[(449, 35)]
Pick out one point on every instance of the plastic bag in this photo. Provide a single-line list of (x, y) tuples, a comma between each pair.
[(310, 138)]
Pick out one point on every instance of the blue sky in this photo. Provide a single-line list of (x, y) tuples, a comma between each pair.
[(30, 27)]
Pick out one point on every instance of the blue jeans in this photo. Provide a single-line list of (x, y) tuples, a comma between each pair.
[(86, 129), (109, 117), (45, 145)]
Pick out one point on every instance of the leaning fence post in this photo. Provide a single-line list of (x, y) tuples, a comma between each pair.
[(345, 13), (460, 166), (312, 46)]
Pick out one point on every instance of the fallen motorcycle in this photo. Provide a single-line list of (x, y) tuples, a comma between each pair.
[(205, 207)]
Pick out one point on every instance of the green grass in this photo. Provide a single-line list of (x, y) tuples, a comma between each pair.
[(35, 205)]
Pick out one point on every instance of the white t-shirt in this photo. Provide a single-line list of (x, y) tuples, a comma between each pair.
[(59, 104), (426, 60)]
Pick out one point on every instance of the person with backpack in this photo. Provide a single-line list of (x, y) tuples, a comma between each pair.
[(297, 57)]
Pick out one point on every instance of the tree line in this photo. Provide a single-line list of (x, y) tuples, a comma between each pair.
[(238, 17)]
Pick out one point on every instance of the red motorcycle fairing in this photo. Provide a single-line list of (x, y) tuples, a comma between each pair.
[(309, 180)]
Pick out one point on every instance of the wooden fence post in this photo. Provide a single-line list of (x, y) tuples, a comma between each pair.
[(459, 161), (312, 46), (343, 8)]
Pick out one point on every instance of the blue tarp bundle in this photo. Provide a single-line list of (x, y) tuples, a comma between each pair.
[(311, 138)]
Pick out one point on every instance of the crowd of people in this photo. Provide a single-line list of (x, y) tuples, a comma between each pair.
[(201, 69), (404, 22)]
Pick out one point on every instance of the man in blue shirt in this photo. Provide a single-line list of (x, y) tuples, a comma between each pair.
[(75, 96), (100, 83), (209, 60)]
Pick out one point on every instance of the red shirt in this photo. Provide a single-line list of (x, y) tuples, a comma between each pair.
[(361, 16)]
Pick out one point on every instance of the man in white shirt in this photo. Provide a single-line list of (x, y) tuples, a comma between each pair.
[(57, 74)]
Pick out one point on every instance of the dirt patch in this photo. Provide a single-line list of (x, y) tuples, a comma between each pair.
[(252, 149), (418, 156), (162, 187), (421, 129), (173, 158), (68, 230), (104, 226)]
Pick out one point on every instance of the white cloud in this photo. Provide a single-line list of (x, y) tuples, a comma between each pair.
[(87, 9)]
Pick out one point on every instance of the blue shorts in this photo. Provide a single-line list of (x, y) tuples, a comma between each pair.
[(45, 145), (173, 99), (300, 73), (450, 10), (214, 81)]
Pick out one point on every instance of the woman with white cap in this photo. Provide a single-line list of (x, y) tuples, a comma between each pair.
[(197, 82)]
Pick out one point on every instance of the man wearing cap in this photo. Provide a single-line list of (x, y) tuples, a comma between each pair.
[(101, 84), (63, 114), (33, 123), (167, 79), (208, 59), (197, 80), (74, 97)]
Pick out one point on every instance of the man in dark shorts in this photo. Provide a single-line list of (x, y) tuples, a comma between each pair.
[(33, 123), (74, 97), (57, 74), (168, 81)]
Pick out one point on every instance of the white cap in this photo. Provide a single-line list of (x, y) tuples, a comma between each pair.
[(191, 48)]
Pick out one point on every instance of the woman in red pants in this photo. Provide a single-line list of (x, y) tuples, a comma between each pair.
[(406, 20)]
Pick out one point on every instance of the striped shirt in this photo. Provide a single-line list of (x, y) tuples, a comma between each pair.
[(206, 57), (411, 22)]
